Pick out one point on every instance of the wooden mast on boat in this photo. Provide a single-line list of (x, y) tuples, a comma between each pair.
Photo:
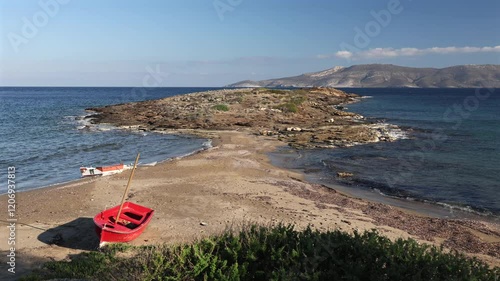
[(124, 222), (128, 187)]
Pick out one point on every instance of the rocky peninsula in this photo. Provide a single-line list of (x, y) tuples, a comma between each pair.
[(231, 184), (304, 118)]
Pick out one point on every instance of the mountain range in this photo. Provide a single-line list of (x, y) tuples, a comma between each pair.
[(390, 76)]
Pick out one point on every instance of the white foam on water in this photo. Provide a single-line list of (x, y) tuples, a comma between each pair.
[(466, 209), (390, 131)]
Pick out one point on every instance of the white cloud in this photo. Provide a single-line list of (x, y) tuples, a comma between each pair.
[(378, 53), (344, 54)]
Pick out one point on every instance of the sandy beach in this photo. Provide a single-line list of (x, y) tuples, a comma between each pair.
[(226, 186)]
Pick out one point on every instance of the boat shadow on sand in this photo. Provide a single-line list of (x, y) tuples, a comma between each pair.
[(77, 234)]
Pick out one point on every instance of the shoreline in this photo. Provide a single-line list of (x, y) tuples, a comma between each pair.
[(207, 144), (424, 208), (420, 206), (230, 184)]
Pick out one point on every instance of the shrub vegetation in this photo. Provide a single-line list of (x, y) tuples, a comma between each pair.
[(221, 107), (274, 253), (288, 107), (295, 99)]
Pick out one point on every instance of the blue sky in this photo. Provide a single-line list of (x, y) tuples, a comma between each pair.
[(217, 42)]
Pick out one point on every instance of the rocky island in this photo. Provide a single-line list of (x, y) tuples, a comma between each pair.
[(303, 118), (389, 76)]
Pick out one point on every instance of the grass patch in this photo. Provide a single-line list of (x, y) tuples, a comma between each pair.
[(295, 99), (288, 107), (277, 253), (221, 107)]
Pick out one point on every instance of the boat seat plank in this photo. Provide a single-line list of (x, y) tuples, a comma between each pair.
[(127, 218), (112, 220), (120, 227), (133, 216)]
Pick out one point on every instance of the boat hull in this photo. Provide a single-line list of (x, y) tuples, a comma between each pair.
[(133, 220), (103, 170)]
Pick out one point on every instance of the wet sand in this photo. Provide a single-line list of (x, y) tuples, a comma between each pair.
[(226, 186)]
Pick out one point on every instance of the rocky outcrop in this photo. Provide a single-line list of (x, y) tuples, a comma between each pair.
[(303, 118), (389, 76)]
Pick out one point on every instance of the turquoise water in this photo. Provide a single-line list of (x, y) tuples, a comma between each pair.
[(43, 133), (451, 156)]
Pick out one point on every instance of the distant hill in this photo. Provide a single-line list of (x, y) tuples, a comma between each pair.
[(388, 75)]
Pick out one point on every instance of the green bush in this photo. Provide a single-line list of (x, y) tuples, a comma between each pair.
[(221, 107), (288, 107), (295, 99), (278, 253)]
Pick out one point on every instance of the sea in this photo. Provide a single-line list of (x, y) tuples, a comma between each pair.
[(448, 155), (44, 133)]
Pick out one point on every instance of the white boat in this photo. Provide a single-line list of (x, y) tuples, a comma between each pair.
[(103, 170)]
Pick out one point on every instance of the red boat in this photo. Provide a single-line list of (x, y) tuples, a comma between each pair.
[(103, 170), (132, 221)]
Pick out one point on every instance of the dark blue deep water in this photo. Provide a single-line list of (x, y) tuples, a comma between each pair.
[(41, 133), (451, 156)]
